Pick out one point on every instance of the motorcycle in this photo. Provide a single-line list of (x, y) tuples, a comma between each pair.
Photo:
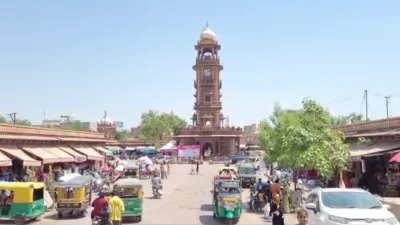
[(253, 198), (98, 220), (157, 191)]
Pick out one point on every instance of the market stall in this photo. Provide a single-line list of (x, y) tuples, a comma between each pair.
[(169, 149)]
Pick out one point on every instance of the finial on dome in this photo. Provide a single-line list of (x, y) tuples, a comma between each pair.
[(208, 33)]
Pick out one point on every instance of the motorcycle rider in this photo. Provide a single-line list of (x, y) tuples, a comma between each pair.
[(100, 206), (156, 182)]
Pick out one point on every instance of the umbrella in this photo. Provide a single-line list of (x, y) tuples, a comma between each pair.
[(68, 177)]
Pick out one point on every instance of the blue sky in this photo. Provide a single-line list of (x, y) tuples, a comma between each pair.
[(84, 57)]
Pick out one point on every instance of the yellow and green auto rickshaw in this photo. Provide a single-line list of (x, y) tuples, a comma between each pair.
[(130, 190), (74, 196), (131, 171), (227, 200), (21, 201)]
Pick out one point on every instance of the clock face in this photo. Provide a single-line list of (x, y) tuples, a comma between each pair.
[(207, 72)]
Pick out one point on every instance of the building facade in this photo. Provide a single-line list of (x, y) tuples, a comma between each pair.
[(207, 127), (250, 134)]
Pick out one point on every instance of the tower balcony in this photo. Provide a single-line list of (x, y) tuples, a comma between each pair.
[(207, 105), (220, 84), (195, 84), (217, 131)]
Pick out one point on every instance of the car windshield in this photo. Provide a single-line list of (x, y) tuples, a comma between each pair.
[(246, 170), (350, 199)]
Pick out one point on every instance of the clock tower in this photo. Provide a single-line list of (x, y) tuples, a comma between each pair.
[(207, 83), (208, 130)]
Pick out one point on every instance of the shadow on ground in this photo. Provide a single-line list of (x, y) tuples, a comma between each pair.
[(65, 216), (206, 207), (208, 220)]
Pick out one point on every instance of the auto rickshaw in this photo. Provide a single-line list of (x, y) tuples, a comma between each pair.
[(24, 201), (130, 190), (131, 171), (227, 201), (74, 196)]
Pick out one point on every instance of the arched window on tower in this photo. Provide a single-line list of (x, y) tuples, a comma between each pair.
[(208, 123), (207, 98)]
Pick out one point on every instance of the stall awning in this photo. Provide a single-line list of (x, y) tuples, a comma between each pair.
[(78, 156), (395, 158), (18, 153), (63, 156), (114, 149), (89, 152), (47, 158), (4, 160), (102, 150), (356, 151)]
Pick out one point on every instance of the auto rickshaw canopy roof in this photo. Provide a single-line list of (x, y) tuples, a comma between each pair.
[(131, 167), (227, 168), (76, 182), (20, 185), (124, 182)]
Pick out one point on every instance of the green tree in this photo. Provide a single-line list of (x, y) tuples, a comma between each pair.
[(303, 139), (23, 122), (154, 125), (50, 182), (75, 125), (343, 120), (2, 119), (31, 175), (122, 135)]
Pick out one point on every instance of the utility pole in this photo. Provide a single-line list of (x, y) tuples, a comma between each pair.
[(387, 99), (13, 117), (366, 104)]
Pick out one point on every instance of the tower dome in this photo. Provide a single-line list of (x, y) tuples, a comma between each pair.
[(106, 120), (207, 33)]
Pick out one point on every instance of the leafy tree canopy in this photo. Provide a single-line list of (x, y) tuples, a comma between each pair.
[(21, 122), (75, 125), (343, 120), (303, 139), (122, 135), (154, 125)]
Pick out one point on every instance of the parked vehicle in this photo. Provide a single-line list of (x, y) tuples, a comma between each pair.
[(163, 158), (25, 202), (333, 206)]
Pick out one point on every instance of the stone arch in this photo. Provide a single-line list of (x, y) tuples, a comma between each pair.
[(207, 145)]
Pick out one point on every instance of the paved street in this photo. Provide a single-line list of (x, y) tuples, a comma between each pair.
[(187, 200)]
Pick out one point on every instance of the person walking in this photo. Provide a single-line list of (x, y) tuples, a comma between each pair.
[(197, 167), (116, 209)]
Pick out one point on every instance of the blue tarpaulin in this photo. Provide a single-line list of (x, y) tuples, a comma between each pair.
[(150, 151)]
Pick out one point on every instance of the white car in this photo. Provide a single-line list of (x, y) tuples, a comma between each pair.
[(162, 159), (334, 206)]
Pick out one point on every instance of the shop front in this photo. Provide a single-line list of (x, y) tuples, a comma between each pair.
[(15, 169), (375, 169), (78, 157), (95, 159)]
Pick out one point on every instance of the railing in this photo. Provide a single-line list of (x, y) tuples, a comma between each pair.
[(212, 130), (390, 123), (25, 130)]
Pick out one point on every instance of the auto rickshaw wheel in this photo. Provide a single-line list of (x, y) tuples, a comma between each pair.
[(214, 215), (59, 215), (19, 219)]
